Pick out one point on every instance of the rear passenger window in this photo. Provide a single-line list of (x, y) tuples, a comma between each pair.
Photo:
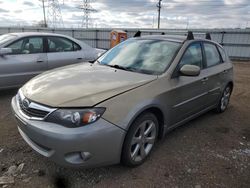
[(193, 56), (60, 44), (212, 55), (223, 54)]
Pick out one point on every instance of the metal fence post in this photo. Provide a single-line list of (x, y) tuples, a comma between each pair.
[(222, 38), (96, 38)]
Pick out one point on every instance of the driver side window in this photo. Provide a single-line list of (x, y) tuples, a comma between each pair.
[(192, 56), (30, 45)]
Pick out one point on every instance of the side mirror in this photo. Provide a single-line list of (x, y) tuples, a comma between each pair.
[(4, 51), (190, 70)]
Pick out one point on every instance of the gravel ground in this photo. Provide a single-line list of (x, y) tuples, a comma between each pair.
[(211, 151)]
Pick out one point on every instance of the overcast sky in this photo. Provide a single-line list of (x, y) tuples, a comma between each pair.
[(134, 13)]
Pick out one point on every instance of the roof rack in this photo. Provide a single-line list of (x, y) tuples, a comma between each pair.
[(189, 34), (137, 34), (208, 36)]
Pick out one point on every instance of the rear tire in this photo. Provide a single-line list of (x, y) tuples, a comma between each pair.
[(140, 140), (224, 100)]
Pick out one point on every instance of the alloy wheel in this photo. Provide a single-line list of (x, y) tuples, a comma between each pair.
[(143, 140), (225, 98)]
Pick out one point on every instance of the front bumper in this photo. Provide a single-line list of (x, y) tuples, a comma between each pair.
[(93, 145)]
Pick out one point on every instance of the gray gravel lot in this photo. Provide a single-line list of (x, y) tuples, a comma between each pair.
[(211, 151)]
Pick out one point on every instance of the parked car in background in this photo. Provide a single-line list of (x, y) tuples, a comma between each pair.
[(115, 109), (25, 55)]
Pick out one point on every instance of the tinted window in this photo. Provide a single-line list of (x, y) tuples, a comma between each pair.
[(59, 44), (192, 56), (30, 45), (145, 56), (223, 54), (212, 55)]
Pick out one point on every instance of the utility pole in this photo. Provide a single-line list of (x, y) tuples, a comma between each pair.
[(44, 16), (153, 22), (187, 24), (159, 13)]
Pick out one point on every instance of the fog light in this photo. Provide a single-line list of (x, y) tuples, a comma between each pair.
[(85, 156)]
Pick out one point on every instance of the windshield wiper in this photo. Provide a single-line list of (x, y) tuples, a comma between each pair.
[(122, 68), (118, 67)]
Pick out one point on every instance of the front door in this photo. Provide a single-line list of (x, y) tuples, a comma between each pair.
[(189, 93), (26, 61)]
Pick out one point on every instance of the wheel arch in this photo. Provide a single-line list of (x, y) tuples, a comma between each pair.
[(231, 84), (157, 111), (154, 109)]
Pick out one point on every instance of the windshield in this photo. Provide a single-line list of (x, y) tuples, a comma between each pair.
[(5, 38), (145, 56)]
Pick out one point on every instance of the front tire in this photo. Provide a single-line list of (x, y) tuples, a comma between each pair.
[(140, 140), (224, 100)]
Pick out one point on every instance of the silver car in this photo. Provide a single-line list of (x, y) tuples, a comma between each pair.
[(114, 110), (25, 55)]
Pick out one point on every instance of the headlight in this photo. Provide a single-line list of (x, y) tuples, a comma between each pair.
[(75, 117)]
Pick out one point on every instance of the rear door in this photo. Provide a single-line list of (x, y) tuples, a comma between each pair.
[(26, 61), (189, 93), (63, 51), (214, 70)]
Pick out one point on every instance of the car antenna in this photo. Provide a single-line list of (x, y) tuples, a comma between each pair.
[(190, 35), (138, 34), (208, 36)]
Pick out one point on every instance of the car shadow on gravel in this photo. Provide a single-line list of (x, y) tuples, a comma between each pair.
[(62, 177)]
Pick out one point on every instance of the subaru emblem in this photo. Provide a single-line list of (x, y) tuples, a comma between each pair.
[(26, 103)]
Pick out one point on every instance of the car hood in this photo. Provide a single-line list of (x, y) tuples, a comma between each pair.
[(82, 85)]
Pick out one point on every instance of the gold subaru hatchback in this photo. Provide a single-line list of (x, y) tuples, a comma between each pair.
[(115, 109)]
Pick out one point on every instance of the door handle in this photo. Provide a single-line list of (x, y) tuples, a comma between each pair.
[(39, 61), (79, 58), (204, 79)]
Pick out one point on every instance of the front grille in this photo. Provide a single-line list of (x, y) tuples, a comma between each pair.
[(31, 111)]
